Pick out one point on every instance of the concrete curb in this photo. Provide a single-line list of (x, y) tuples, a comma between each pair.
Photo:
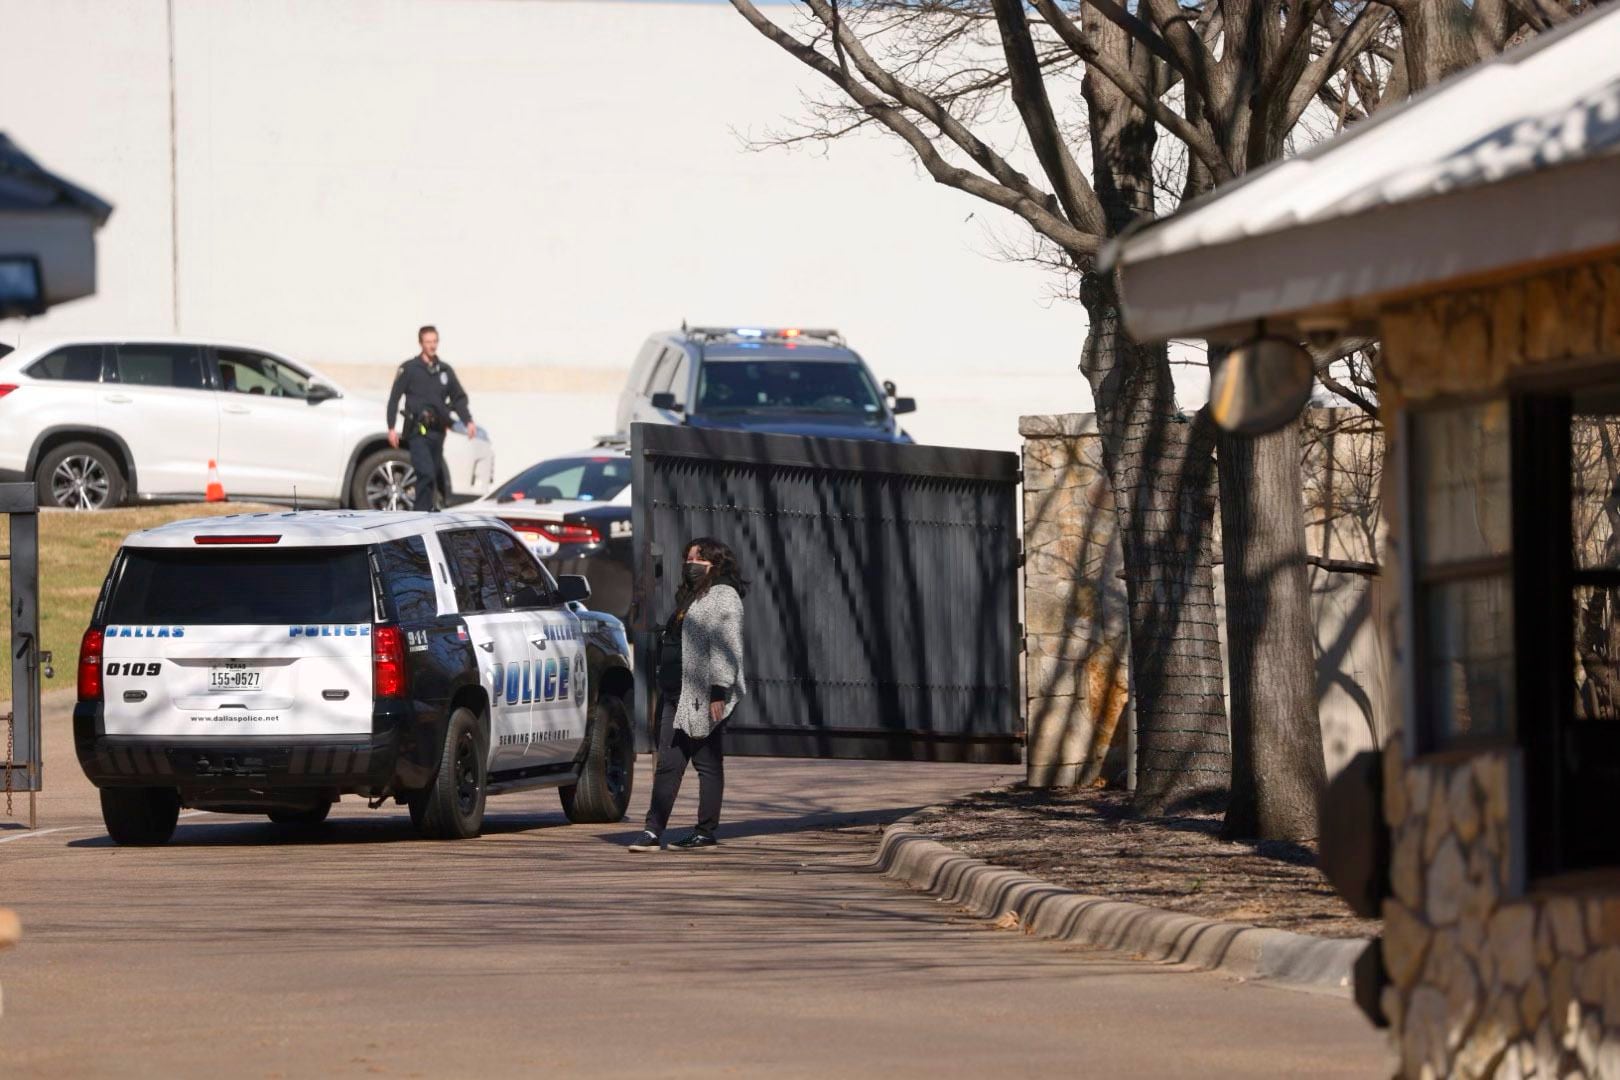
[(1050, 911)]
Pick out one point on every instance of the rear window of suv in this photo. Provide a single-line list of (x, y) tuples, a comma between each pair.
[(74, 363), (226, 586)]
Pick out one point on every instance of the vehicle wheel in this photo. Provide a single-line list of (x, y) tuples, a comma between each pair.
[(313, 815), (609, 771), (384, 481), (452, 807), (79, 476), (140, 817)]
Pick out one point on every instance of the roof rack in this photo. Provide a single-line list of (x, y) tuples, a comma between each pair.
[(766, 333)]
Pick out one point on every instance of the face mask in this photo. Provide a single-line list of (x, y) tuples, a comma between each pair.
[(693, 572)]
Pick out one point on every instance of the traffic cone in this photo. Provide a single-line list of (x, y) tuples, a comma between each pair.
[(215, 492)]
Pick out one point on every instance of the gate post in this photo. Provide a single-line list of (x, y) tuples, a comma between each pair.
[(21, 767)]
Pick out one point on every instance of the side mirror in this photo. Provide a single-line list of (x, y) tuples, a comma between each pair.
[(319, 392), (904, 405), (666, 401), (571, 587)]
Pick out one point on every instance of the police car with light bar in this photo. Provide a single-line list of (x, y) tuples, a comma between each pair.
[(776, 380), (273, 663)]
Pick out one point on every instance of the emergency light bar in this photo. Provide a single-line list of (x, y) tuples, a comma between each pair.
[(766, 333)]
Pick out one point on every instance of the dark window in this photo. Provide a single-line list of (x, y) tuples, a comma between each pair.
[(473, 572), (178, 366), (75, 363), (680, 380), (774, 386), (244, 372), (183, 586), (1463, 573), (582, 479), (408, 573), (527, 583)]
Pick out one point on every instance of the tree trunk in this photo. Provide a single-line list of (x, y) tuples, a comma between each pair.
[(1160, 467), (1277, 768)]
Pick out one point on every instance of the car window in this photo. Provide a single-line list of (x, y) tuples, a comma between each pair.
[(528, 584), (641, 374), (408, 572), (678, 380), (473, 572), (655, 381), (666, 369), (175, 366), (235, 586), (246, 372), (75, 363), (797, 385), (599, 478)]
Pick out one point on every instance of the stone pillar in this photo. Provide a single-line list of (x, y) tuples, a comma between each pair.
[(1076, 681)]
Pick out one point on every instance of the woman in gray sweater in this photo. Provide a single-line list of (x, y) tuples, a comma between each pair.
[(700, 680)]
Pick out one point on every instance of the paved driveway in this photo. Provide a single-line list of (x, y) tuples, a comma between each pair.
[(241, 950)]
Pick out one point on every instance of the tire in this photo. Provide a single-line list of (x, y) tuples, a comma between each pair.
[(384, 480), (140, 817), (80, 476), (313, 815), (452, 806), (609, 771)]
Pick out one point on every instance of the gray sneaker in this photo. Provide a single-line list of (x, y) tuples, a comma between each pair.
[(647, 841)]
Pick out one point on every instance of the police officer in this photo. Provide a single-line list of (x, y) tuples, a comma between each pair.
[(431, 393)]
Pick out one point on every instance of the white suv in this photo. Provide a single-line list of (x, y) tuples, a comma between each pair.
[(95, 421)]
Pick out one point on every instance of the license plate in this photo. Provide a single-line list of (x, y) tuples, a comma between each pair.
[(235, 677)]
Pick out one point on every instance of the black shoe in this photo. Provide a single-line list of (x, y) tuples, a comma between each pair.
[(647, 841), (695, 842)]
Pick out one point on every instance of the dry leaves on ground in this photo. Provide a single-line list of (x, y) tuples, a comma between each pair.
[(1087, 840)]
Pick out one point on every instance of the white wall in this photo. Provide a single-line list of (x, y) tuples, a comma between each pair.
[(547, 180)]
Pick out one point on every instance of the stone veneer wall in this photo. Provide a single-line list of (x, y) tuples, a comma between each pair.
[(1076, 680), (1490, 978), (1076, 667)]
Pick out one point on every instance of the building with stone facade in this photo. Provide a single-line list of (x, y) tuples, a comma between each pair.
[(1476, 232)]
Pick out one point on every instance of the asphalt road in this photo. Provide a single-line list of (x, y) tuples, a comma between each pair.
[(245, 950)]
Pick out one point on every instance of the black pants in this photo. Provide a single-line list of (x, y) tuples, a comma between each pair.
[(427, 458), (675, 749)]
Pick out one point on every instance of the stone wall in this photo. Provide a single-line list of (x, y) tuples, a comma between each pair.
[(1076, 638), (1469, 342), (1492, 975), (1077, 681)]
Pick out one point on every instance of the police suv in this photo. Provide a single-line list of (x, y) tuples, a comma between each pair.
[(271, 663)]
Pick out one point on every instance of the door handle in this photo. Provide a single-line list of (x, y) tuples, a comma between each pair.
[(237, 409), (118, 399)]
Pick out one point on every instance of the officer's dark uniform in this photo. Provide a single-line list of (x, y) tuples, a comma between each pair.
[(431, 393)]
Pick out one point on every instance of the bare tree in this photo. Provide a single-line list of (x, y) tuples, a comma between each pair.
[(1167, 98)]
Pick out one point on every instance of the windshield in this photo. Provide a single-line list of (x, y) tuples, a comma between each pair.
[(805, 386), (578, 479), (242, 586)]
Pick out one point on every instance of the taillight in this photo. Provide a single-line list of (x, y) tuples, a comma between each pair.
[(387, 662), (6, 388), (558, 532), (90, 665)]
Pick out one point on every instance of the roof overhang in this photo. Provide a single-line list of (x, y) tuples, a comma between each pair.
[(1501, 170), (1336, 273)]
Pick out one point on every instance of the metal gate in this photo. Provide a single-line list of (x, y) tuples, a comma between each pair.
[(20, 752), (882, 605)]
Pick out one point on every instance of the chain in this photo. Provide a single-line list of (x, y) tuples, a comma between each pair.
[(11, 731)]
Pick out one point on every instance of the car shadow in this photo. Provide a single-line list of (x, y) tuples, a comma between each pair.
[(247, 831)]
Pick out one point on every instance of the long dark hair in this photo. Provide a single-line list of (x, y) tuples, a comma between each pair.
[(723, 570)]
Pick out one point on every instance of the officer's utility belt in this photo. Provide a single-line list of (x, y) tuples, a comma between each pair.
[(427, 421)]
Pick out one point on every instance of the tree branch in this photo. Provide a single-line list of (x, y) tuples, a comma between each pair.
[(1034, 210), (1198, 141)]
